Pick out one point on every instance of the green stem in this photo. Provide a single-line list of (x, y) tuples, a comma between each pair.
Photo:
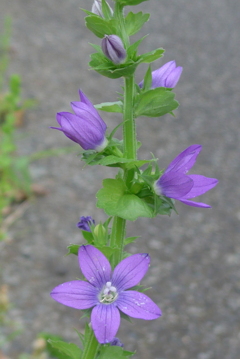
[(116, 239), (91, 347), (129, 128)]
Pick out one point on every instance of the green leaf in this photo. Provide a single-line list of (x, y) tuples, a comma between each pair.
[(99, 26), (71, 350), (134, 22), (115, 201), (130, 2), (154, 103), (132, 49), (110, 106), (128, 163), (114, 352), (151, 56)]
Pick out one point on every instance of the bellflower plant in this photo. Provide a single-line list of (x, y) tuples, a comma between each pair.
[(111, 287), (106, 292), (175, 183)]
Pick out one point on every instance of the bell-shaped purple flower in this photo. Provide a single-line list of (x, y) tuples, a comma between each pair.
[(113, 48), (85, 223), (175, 183), (166, 76), (106, 292), (85, 126)]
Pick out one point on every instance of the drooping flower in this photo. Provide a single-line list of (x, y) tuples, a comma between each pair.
[(106, 292), (113, 49), (167, 75), (85, 223), (97, 8), (85, 126), (175, 183)]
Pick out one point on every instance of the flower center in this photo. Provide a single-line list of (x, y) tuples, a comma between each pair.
[(108, 294)]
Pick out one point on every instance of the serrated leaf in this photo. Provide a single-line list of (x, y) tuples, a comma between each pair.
[(99, 26), (151, 56), (156, 102), (115, 201), (110, 106), (71, 350), (134, 22)]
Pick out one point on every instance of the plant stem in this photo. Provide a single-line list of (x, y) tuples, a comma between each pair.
[(116, 239), (91, 347), (129, 128)]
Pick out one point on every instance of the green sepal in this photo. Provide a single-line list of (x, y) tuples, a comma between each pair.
[(70, 350), (106, 10), (101, 27), (107, 68), (129, 2), (110, 106), (147, 82), (73, 249), (114, 161), (116, 352), (116, 201), (155, 102), (129, 240), (132, 49), (134, 22), (151, 56)]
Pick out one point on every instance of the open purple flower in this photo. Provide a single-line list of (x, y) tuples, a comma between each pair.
[(85, 223), (106, 291), (85, 126), (174, 183), (167, 75)]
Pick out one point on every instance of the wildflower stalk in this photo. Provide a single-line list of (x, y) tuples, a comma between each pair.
[(91, 347)]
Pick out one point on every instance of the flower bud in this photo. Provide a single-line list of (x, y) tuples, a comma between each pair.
[(100, 234), (85, 126), (167, 75), (113, 48), (97, 8), (85, 223)]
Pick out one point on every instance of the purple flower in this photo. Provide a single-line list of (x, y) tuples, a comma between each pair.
[(113, 48), (174, 183), (106, 291), (166, 76), (85, 126), (85, 223)]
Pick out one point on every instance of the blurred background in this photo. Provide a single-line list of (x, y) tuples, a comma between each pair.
[(195, 270)]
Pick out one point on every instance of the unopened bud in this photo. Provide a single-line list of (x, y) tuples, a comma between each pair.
[(99, 232), (113, 48)]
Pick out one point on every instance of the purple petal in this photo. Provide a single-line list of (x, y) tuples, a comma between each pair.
[(195, 204), (174, 185), (201, 185), (159, 76), (76, 294), (88, 114), (130, 271), (105, 320), (94, 266), (185, 160), (138, 305), (173, 77)]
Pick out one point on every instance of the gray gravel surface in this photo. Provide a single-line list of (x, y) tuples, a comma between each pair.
[(195, 271)]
